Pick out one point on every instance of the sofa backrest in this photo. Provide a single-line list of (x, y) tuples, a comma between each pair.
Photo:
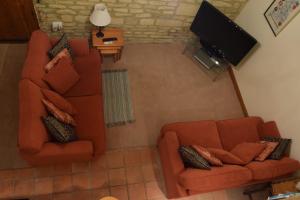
[(236, 131), (204, 133), (32, 132), (37, 58)]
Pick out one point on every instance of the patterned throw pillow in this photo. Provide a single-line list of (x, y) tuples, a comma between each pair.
[(54, 61), (270, 147), (207, 155), (281, 149), (247, 151), (59, 46), (58, 114), (191, 158), (59, 101), (59, 131)]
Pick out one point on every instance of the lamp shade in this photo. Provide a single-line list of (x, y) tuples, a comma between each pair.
[(100, 15)]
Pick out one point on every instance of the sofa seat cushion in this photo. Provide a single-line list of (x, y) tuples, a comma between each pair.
[(90, 120), (204, 133), (90, 83), (235, 131), (273, 168), (218, 177)]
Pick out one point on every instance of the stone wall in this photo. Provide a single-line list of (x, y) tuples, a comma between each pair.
[(141, 20)]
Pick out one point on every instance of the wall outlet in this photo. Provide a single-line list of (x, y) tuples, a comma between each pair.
[(57, 26)]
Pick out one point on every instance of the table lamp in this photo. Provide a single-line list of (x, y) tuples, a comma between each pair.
[(100, 17)]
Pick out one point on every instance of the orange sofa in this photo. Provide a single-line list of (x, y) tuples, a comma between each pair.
[(34, 143), (181, 181)]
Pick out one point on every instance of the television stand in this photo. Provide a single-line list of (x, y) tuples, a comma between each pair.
[(212, 66)]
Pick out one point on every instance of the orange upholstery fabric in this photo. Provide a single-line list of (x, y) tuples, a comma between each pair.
[(182, 182), (235, 131), (32, 132), (204, 133), (34, 142), (79, 46), (269, 129), (204, 180), (62, 76), (58, 114), (59, 101), (56, 153), (90, 120), (37, 58), (171, 164), (273, 168), (90, 82), (247, 151), (226, 157), (54, 61)]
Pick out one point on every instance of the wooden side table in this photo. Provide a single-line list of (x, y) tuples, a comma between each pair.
[(114, 49)]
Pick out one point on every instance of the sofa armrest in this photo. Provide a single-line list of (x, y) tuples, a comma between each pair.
[(172, 164), (269, 129), (56, 153), (79, 46)]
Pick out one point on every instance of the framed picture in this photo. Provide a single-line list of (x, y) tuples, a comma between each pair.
[(280, 13)]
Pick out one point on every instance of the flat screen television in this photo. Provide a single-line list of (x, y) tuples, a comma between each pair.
[(220, 36)]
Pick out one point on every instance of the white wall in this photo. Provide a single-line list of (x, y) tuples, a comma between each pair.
[(269, 80)]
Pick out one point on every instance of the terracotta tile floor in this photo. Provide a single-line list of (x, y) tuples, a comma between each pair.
[(128, 174)]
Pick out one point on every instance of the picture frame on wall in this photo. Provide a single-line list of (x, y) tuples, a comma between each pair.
[(280, 13)]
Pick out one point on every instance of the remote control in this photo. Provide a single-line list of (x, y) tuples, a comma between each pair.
[(109, 39)]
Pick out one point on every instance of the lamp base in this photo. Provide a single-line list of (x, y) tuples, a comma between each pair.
[(100, 34)]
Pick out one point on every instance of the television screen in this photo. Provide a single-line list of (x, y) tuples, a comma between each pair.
[(222, 34)]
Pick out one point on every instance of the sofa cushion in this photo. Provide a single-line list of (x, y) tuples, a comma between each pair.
[(89, 70), (247, 151), (63, 76), (90, 120), (59, 101), (54, 61), (217, 177), (270, 147), (202, 133), (236, 131), (207, 155), (191, 158), (226, 156), (273, 168), (37, 58)]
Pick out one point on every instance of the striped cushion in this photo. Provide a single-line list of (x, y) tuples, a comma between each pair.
[(191, 158), (59, 46)]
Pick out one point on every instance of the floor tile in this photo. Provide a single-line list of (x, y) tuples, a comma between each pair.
[(24, 188), (7, 174), (134, 174), (220, 195), (99, 193), (82, 195), (117, 177), (26, 173), (99, 163), (137, 191), (153, 190), (99, 179), (115, 159), (43, 186), (80, 167), (81, 181), (132, 157), (119, 192), (44, 171), (147, 155), (62, 169), (62, 183), (63, 196), (6, 188), (148, 172)]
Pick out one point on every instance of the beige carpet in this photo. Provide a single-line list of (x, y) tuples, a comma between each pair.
[(165, 85)]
